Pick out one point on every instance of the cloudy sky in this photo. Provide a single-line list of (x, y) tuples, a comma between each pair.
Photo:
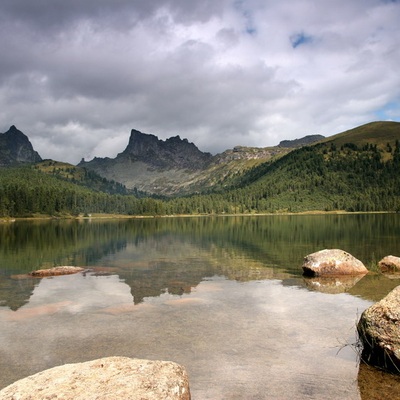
[(76, 76)]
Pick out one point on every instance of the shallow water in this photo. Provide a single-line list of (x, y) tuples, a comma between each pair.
[(222, 296)]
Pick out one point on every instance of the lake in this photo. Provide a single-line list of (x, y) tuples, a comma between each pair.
[(223, 296)]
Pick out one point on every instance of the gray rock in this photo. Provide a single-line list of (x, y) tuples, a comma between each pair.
[(332, 262), (379, 332), (104, 379), (389, 264)]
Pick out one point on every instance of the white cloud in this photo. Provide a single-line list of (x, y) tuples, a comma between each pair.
[(77, 79)]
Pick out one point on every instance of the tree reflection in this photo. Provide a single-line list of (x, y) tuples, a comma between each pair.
[(155, 255)]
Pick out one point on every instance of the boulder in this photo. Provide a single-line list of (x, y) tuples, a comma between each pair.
[(379, 333), (389, 264), (64, 270), (105, 378), (332, 262)]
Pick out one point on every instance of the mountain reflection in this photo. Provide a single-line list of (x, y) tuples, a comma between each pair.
[(14, 292), (174, 255)]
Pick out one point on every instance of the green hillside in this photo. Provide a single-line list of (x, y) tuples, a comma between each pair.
[(379, 133), (26, 191), (80, 176), (357, 170)]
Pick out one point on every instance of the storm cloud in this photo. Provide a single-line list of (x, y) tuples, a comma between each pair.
[(77, 76)]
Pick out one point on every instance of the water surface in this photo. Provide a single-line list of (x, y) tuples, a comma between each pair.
[(222, 296)]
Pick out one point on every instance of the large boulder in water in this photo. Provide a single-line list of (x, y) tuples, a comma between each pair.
[(379, 332), (105, 378), (389, 264), (332, 262)]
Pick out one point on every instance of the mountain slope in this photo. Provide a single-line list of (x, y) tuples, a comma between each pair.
[(306, 140), (80, 176), (357, 170), (15, 148), (176, 167), (152, 165), (379, 133), (26, 191)]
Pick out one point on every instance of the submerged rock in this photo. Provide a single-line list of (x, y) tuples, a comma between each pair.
[(105, 378), (64, 270), (375, 384), (379, 332), (389, 264), (332, 262)]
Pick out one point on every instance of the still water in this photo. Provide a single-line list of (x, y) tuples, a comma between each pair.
[(223, 296)]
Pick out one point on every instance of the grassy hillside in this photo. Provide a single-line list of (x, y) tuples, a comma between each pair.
[(383, 134), (379, 133)]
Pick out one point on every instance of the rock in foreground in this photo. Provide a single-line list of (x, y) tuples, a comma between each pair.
[(104, 379), (64, 270), (379, 332), (389, 264), (332, 262)]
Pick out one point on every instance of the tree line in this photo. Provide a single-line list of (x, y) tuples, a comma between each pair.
[(321, 177)]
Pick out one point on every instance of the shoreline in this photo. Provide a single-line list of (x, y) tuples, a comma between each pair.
[(124, 216)]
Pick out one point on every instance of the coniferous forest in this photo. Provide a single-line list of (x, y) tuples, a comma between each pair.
[(327, 176)]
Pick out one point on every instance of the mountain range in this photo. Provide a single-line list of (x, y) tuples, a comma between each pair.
[(356, 170), (150, 165)]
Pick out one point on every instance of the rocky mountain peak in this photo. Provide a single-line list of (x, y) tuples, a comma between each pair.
[(15, 148), (169, 154)]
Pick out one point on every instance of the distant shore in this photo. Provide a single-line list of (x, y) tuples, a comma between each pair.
[(125, 216)]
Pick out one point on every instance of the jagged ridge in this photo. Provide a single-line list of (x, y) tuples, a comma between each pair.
[(169, 154), (176, 166)]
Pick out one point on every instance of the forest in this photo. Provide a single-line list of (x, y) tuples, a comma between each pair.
[(321, 177)]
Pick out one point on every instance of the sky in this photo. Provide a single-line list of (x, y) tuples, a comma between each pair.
[(76, 76)]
